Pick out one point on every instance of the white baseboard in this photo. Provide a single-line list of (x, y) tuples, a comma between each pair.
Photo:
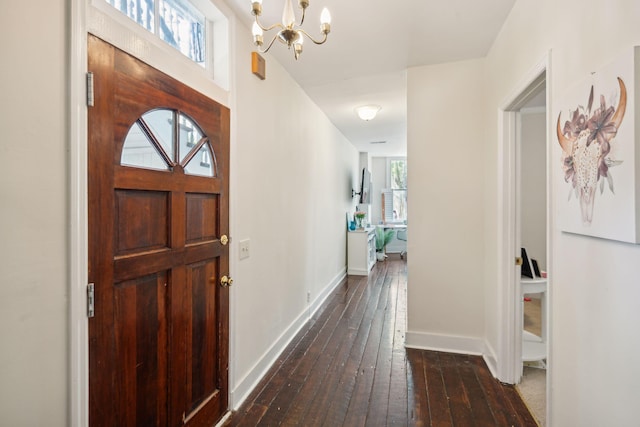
[(490, 359), (322, 296), (358, 272), (246, 385), (445, 343)]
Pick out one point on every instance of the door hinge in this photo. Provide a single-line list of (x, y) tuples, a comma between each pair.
[(90, 300), (90, 98)]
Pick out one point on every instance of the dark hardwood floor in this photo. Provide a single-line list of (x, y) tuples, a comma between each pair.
[(349, 367)]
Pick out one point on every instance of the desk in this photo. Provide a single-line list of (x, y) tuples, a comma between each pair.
[(534, 348), (395, 246), (394, 226)]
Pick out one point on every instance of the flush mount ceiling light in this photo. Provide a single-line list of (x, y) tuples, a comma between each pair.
[(368, 112), (289, 33)]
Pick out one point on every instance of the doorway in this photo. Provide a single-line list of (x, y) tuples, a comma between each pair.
[(532, 220), (524, 207), (158, 220)]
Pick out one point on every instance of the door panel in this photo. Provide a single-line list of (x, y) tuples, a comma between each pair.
[(200, 226), (141, 347), (141, 221), (201, 334), (158, 352)]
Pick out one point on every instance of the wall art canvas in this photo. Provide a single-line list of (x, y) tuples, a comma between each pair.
[(595, 132)]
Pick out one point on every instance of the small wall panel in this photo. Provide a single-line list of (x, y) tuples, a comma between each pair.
[(201, 217), (141, 219)]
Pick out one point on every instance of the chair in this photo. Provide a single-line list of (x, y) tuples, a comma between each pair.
[(402, 235)]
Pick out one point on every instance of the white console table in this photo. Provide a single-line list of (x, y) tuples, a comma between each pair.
[(361, 251), (534, 348)]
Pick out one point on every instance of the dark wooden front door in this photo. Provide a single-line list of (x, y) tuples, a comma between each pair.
[(158, 213)]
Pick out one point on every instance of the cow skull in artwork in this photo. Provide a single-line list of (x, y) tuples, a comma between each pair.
[(586, 143)]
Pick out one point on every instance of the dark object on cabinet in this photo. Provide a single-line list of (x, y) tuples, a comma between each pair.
[(536, 269), (526, 270)]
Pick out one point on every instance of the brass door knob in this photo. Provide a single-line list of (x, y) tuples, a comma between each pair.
[(518, 260), (224, 240), (226, 281)]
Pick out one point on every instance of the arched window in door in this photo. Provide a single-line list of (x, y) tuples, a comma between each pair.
[(162, 138)]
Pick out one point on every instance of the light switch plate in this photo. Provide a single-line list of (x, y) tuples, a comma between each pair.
[(244, 248)]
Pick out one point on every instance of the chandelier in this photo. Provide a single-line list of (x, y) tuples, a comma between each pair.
[(289, 33)]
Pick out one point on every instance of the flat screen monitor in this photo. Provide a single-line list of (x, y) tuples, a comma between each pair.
[(365, 187)]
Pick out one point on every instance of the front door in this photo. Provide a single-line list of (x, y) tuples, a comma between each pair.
[(158, 156)]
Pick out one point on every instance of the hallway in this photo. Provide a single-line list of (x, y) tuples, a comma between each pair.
[(349, 367)]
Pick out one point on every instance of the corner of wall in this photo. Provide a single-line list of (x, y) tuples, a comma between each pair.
[(490, 358)]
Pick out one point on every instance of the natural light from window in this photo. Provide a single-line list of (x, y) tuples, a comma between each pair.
[(397, 173), (176, 22)]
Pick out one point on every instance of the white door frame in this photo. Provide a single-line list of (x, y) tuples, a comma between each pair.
[(509, 364), (78, 402)]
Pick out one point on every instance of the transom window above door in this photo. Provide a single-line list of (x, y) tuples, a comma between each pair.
[(162, 138), (176, 22)]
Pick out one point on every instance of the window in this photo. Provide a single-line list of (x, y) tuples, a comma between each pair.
[(176, 22), (395, 209), (186, 39), (151, 144)]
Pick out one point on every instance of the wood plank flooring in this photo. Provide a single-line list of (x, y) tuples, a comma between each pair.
[(349, 367)]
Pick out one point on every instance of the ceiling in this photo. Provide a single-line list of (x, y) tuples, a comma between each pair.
[(370, 47)]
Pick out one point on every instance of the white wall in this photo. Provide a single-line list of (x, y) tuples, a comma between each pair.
[(445, 263), (594, 290), (292, 190), (533, 187), (33, 216)]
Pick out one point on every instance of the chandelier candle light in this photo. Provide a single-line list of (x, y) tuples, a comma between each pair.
[(289, 33)]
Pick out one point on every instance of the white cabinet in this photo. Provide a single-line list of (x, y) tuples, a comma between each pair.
[(361, 251), (534, 348)]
